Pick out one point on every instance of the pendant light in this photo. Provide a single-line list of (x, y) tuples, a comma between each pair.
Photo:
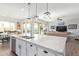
[(36, 15), (47, 14), (28, 11), (47, 11)]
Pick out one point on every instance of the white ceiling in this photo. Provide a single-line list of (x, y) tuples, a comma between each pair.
[(20, 11)]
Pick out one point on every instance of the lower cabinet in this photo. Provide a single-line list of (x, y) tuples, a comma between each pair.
[(31, 49), (45, 52), (21, 49), (24, 48), (17, 47)]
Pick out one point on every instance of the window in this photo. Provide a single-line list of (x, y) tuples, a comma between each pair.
[(36, 28), (7, 26), (39, 28), (27, 28)]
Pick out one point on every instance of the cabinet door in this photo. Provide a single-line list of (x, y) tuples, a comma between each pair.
[(45, 52), (23, 48), (18, 47), (31, 49)]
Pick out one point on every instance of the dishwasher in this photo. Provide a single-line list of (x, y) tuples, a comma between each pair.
[(13, 45)]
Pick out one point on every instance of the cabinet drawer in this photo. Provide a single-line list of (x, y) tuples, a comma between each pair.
[(45, 52), (31, 49)]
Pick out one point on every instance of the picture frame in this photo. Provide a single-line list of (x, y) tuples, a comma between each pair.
[(72, 26), (52, 27)]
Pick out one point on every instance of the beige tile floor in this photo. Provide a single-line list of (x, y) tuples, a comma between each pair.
[(5, 50)]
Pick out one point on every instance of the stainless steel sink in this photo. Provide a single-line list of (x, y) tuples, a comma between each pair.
[(27, 37)]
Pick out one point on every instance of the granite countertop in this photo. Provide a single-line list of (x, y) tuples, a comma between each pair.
[(55, 43)]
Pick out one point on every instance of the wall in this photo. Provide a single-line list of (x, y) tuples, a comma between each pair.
[(8, 19), (73, 21), (67, 20)]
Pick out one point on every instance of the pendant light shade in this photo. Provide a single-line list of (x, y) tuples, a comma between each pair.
[(47, 11), (28, 11), (47, 14), (36, 15)]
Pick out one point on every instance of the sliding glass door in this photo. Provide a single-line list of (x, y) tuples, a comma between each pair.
[(27, 28), (34, 28), (39, 28)]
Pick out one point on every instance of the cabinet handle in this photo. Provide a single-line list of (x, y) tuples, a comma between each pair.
[(19, 46), (30, 45), (45, 51), (35, 55)]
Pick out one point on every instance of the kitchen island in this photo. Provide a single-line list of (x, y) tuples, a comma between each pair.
[(40, 45)]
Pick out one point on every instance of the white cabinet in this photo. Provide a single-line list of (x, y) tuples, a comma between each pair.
[(17, 47), (21, 47), (31, 49), (45, 52), (25, 48)]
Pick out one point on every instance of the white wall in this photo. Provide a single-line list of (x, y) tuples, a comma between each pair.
[(8, 19), (73, 21), (68, 20)]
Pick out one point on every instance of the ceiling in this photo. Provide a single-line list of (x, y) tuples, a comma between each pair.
[(20, 10)]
